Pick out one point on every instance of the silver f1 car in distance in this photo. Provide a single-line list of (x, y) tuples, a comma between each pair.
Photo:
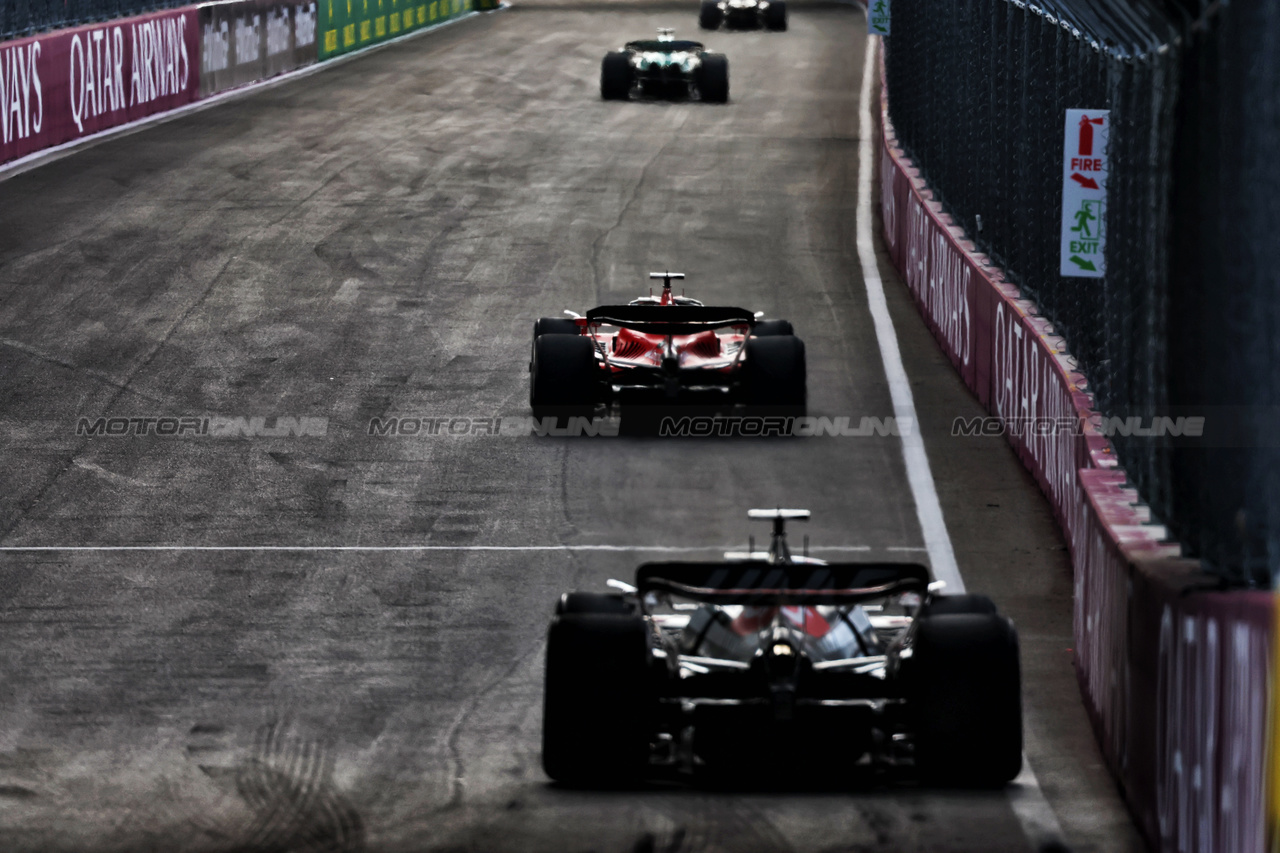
[(772, 666), (665, 68), (743, 14)]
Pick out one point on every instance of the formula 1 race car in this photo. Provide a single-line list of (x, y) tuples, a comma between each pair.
[(743, 14), (659, 355), (665, 68), (771, 668)]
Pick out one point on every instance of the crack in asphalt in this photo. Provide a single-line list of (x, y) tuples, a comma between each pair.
[(598, 244), (25, 508), (458, 778), (105, 378)]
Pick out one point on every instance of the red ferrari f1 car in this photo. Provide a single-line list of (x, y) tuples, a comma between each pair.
[(777, 666), (657, 355)]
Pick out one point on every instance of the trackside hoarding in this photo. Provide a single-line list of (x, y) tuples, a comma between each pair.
[(347, 25), (1179, 679), (62, 86), (243, 41)]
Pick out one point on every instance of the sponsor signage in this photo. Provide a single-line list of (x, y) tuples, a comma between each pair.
[(62, 86), (878, 17), (347, 25), (1084, 193), (248, 40)]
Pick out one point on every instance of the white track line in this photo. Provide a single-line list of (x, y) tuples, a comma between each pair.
[(928, 510), (1034, 814), (663, 549)]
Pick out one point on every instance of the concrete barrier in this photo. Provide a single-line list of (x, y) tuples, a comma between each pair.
[(1177, 677)]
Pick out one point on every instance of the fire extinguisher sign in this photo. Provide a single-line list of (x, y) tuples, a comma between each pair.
[(1084, 193)]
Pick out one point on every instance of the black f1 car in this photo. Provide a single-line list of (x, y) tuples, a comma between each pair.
[(743, 14), (775, 666), (656, 355), (667, 68)]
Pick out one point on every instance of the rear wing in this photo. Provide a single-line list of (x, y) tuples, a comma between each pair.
[(670, 319), (784, 514), (766, 583)]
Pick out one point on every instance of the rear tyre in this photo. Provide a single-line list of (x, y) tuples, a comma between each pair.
[(711, 15), (554, 326), (594, 602), (775, 16), (945, 605), (596, 711), (616, 76), (964, 699), (772, 328), (564, 378), (774, 376), (713, 78)]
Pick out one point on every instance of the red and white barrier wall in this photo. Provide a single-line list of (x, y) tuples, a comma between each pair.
[(65, 85), (60, 87), (1177, 678)]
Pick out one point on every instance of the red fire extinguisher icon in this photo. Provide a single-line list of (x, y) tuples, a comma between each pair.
[(1086, 134)]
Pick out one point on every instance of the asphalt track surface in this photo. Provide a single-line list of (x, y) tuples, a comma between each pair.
[(375, 240)]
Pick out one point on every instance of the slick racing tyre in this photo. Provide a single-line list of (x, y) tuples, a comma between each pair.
[(594, 602), (944, 605), (711, 15), (596, 711), (775, 16), (772, 328), (616, 76), (774, 376), (554, 326), (563, 378), (713, 78), (964, 699)]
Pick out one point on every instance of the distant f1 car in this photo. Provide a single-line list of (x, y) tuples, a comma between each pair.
[(772, 667), (743, 14), (656, 354), (666, 68)]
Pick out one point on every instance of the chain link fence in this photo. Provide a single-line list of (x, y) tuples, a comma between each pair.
[(978, 91), (25, 17), (1225, 285)]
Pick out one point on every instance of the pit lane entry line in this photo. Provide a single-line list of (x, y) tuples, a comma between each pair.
[(1027, 800)]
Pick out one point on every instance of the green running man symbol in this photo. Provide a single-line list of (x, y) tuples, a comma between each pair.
[(879, 9), (1083, 217)]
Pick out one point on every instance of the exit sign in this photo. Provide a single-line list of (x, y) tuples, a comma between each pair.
[(1084, 194), (878, 17)]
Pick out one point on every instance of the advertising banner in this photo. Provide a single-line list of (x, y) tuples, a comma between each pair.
[(62, 86), (243, 41), (347, 25)]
